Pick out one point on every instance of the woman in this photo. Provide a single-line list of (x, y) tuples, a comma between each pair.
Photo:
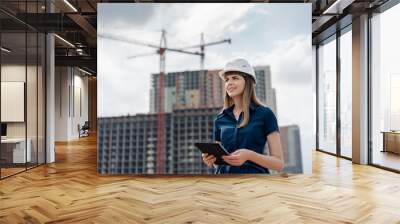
[(245, 125)]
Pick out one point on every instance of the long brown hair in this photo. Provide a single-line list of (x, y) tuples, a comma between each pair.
[(248, 96)]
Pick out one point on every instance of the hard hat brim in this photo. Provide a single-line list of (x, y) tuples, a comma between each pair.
[(222, 73)]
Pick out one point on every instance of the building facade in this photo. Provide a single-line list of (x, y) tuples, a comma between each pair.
[(291, 146), (127, 144), (200, 88)]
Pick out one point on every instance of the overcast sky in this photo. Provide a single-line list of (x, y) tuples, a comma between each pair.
[(278, 35)]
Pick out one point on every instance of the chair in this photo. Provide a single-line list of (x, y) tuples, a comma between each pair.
[(84, 130)]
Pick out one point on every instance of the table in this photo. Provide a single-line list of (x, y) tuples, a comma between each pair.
[(391, 141), (13, 150)]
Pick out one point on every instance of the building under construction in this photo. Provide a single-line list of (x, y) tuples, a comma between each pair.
[(193, 89), (127, 144)]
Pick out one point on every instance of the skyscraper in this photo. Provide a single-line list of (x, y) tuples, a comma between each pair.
[(291, 146)]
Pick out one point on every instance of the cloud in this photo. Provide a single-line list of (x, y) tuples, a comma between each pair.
[(290, 60), (123, 16), (215, 20), (262, 11), (123, 84)]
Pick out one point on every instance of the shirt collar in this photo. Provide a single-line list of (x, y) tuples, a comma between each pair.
[(252, 106)]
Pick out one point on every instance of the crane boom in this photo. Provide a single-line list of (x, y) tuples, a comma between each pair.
[(142, 43), (208, 44), (127, 40)]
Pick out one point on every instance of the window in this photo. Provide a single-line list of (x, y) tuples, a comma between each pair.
[(22, 65), (327, 95), (385, 88), (346, 92)]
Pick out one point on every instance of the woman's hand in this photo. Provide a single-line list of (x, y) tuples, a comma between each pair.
[(209, 160), (238, 157)]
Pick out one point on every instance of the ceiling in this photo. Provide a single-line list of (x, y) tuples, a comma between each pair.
[(76, 22)]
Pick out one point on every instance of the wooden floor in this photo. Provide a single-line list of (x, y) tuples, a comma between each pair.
[(10, 171), (386, 159), (70, 191)]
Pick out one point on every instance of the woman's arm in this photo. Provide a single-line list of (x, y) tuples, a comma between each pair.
[(272, 161), (275, 159)]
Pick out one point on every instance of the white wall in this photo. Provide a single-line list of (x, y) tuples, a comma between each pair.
[(33, 126), (11, 73), (71, 94), (61, 103), (16, 73)]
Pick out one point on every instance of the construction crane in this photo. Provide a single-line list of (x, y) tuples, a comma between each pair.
[(161, 49), (202, 46)]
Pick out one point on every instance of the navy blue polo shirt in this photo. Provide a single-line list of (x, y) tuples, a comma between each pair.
[(262, 122)]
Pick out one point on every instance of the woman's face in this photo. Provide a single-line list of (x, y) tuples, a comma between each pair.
[(234, 84)]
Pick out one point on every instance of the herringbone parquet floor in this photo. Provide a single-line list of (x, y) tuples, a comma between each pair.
[(70, 191)]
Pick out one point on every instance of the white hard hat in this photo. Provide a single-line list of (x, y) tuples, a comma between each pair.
[(238, 65)]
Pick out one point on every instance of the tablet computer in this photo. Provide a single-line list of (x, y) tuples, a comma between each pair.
[(215, 149)]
